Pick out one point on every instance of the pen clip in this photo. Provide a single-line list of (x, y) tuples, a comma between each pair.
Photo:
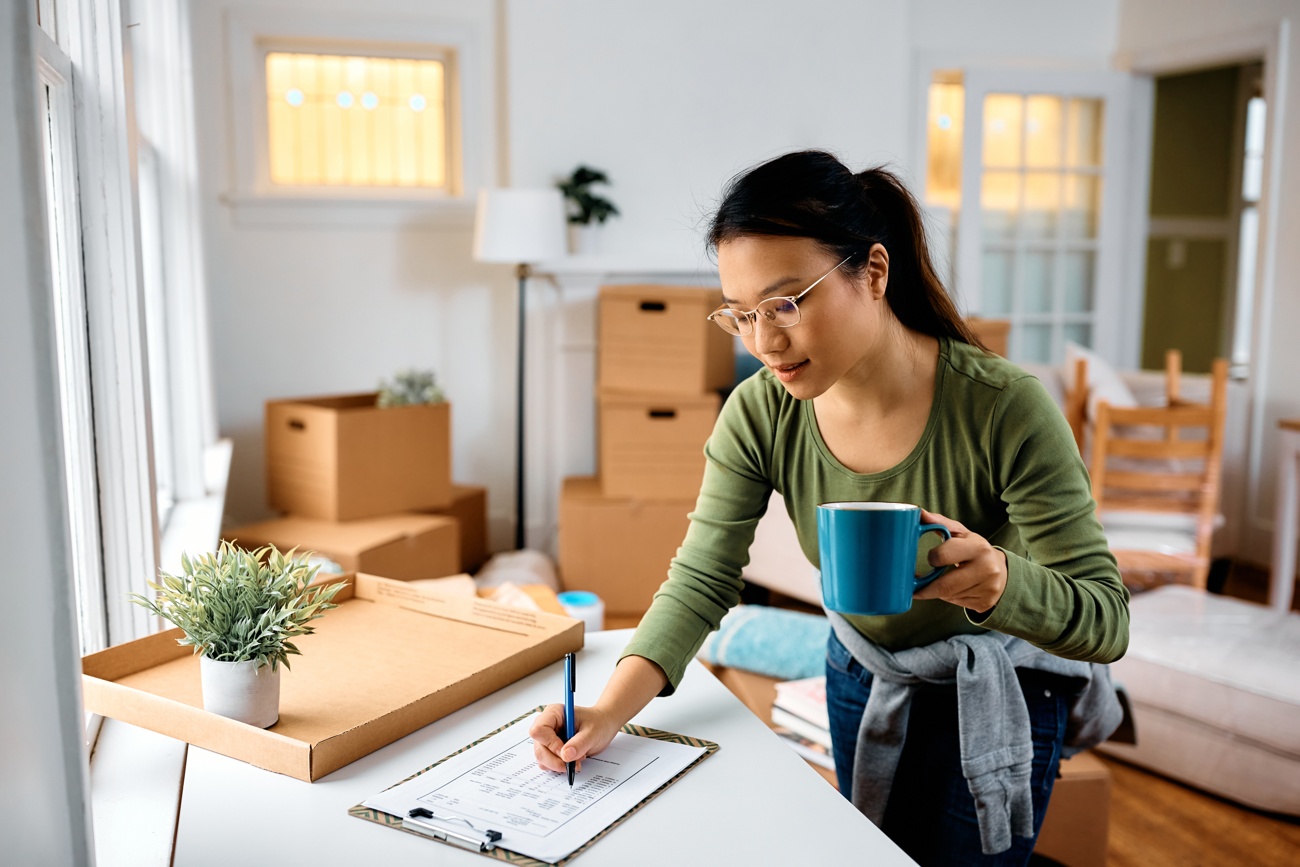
[(422, 821)]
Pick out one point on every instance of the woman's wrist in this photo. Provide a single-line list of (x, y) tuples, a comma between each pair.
[(636, 680)]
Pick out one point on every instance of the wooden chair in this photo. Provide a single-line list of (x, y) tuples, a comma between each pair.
[(1077, 394), (1157, 491), (1076, 403)]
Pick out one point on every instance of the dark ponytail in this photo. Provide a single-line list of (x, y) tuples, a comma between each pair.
[(811, 194)]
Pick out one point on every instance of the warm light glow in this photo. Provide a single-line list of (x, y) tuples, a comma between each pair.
[(943, 160), (322, 133), (1003, 124)]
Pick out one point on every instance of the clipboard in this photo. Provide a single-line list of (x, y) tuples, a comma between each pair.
[(361, 811)]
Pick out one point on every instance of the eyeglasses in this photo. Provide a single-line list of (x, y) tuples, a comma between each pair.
[(782, 311)]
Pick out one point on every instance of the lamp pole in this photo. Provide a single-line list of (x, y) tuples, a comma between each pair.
[(521, 271)]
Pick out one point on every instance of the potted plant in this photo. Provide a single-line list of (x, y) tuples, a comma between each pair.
[(410, 388), (240, 609), (587, 210)]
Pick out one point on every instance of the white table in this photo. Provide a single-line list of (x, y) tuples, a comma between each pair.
[(1286, 516), (753, 801)]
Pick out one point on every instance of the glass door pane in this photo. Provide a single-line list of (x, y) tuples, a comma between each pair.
[(1035, 249)]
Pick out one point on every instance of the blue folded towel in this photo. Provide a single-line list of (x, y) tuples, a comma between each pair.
[(787, 645)]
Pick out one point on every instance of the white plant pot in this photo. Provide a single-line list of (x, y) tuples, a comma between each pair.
[(240, 691), (584, 239)]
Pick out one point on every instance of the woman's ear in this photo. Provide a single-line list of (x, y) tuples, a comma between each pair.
[(877, 271)]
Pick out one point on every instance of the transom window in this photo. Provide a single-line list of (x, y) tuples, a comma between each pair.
[(344, 120)]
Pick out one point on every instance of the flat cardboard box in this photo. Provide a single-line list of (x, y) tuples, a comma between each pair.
[(657, 339), (349, 693), (652, 446), (1076, 829), (343, 458), (617, 548), (469, 508), (403, 547)]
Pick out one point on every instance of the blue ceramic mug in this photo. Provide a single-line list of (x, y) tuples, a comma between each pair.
[(868, 555)]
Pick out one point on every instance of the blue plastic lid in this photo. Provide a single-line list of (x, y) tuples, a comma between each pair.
[(578, 598)]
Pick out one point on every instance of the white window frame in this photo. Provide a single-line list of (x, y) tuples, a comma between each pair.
[(1112, 87), (171, 247), (472, 145), (54, 73), (92, 34)]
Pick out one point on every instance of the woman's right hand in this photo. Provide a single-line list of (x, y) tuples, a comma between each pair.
[(595, 730)]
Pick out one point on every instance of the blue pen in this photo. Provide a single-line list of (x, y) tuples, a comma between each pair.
[(570, 725)]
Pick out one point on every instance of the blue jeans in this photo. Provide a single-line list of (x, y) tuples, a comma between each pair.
[(931, 814)]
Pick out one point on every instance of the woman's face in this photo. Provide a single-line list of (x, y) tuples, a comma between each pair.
[(840, 320)]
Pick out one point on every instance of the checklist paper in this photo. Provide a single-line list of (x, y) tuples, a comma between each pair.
[(497, 785)]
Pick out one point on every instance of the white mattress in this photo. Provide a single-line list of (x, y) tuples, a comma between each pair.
[(1215, 685)]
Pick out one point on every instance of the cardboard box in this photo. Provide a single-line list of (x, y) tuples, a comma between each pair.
[(652, 447), (617, 548), (402, 547), (1076, 829), (469, 508), (657, 339), (347, 694), (993, 333), (343, 458)]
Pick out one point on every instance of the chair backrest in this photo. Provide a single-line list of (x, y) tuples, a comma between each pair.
[(1076, 402), (1142, 461)]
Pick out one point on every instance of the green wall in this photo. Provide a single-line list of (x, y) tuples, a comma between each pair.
[(1191, 173), (1184, 305), (1191, 153)]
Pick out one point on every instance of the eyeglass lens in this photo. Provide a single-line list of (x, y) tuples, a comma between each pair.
[(781, 312)]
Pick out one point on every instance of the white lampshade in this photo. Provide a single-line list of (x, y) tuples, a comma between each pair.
[(519, 225)]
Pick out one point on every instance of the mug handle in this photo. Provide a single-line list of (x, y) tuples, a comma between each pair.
[(938, 570)]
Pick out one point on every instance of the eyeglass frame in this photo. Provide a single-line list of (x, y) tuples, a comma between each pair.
[(751, 316)]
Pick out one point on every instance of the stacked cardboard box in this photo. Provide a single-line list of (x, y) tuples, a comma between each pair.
[(369, 488), (660, 364)]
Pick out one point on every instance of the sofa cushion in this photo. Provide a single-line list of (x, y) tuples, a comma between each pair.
[(1216, 694)]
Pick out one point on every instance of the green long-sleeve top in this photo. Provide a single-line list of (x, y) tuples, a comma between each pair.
[(996, 455)]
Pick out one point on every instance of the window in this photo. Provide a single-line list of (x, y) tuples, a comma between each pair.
[(347, 117), (54, 70), (1252, 179), (357, 121), (1021, 160)]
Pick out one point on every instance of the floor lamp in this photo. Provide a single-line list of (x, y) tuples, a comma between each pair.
[(521, 227)]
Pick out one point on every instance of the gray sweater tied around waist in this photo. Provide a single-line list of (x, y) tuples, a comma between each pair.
[(993, 721)]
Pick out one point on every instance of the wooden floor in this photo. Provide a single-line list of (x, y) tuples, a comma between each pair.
[(1155, 821)]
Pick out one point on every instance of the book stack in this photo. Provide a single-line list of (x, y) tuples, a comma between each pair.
[(800, 717)]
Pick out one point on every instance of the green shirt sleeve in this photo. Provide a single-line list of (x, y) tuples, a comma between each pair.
[(704, 578), (1065, 595)]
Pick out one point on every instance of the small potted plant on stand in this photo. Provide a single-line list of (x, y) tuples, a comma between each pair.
[(240, 609), (587, 211), (410, 388)]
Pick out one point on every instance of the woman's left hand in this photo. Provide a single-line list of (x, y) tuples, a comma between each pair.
[(978, 572)]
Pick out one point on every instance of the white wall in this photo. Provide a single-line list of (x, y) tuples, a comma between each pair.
[(670, 98), (44, 816), (1171, 27), (300, 309)]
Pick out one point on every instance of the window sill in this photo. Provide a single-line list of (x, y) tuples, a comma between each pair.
[(399, 209), (195, 525), (136, 775)]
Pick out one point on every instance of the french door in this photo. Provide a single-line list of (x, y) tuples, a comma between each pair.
[(1039, 237)]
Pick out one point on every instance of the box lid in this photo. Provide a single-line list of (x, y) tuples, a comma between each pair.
[(350, 692), (703, 294), (345, 537)]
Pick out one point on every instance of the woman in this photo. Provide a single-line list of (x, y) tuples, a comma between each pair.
[(874, 389)]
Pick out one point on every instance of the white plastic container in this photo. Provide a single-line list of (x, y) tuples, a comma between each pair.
[(585, 606)]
